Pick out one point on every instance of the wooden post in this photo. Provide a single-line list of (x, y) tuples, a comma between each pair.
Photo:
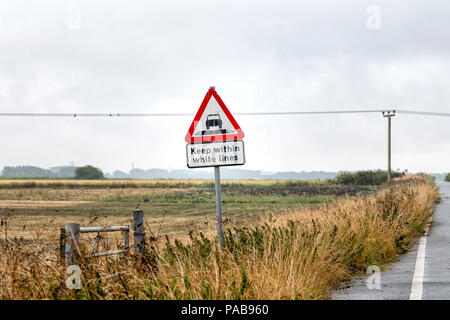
[(126, 238), (72, 239), (62, 243), (139, 231)]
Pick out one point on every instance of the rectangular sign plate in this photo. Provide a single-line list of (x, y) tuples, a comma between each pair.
[(212, 154)]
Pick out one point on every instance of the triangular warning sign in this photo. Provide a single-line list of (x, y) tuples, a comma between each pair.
[(213, 122)]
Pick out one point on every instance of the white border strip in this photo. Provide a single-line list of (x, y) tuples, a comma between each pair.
[(417, 282)]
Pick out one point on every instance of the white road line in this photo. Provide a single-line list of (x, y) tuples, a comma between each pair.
[(417, 282)]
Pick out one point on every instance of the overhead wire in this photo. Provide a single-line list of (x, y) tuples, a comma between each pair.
[(281, 113)]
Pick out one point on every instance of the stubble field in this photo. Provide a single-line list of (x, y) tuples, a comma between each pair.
[(171, 207)]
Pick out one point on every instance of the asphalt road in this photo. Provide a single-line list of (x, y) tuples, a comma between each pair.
[(421, 274)]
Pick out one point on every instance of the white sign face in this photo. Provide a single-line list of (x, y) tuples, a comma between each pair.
[(213, 121), (221, 153)]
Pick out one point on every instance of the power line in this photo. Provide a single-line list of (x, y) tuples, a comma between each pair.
[(307, 112), (425, 113), (76, 115), (117, 115)]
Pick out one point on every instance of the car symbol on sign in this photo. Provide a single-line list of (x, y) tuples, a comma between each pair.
[(213, 125)]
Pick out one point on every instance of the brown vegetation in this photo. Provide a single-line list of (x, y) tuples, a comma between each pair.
[(295, 255)]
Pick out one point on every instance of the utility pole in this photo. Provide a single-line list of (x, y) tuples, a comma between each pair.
[(389, 114)]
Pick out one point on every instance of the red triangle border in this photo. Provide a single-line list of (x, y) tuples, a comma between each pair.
[(224, 137)]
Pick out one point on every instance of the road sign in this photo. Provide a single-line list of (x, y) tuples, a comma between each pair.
[(214, 141), (212, 154), (213, 122)]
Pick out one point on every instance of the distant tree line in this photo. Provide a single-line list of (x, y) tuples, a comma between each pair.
[(225, 173), (365, 177), (28, 171), (86, 172)]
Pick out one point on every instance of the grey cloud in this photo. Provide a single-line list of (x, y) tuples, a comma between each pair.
[(161, 56)]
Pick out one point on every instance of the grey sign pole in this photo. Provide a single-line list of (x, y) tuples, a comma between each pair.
[(218, 204), (389, 115)]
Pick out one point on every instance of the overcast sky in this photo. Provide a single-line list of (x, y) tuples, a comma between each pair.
[(162, 56)]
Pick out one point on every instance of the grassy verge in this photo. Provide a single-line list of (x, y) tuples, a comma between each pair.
[(298, 255)]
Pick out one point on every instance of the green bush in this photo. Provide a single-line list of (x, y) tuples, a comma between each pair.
[(88, 173), (365, 178), (447, 178)]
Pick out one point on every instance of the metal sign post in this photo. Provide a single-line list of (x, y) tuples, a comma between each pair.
[(218, 204), (389, 114), (213, 140)]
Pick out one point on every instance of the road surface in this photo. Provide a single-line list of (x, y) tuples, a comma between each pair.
[(421, 274)]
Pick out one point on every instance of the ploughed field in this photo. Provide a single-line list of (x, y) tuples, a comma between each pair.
[(171, 207)]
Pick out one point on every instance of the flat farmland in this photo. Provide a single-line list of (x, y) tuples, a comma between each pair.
[(283, 239), (172, 207)]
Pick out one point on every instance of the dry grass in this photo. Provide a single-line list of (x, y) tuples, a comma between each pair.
[(107, 182), (78, 194), (141, 183), (295, 255), (14, 204)]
